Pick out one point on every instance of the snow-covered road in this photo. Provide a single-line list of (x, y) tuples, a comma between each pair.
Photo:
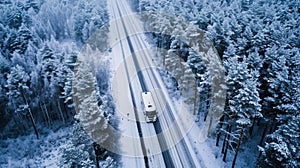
[(160, 144)]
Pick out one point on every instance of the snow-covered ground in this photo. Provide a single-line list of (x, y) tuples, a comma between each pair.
[(27, 151)]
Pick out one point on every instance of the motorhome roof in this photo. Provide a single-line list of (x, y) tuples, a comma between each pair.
[(148, 101)]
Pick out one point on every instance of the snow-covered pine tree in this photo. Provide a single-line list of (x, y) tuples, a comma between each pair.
[(282, 148), (4, 70), (237, 74), (19, 93), (217, 92), (278, 93), (86, 97), (246, 107), (67, 93), (243, 101), (79, 152), (17, 39), (49, 63), (3, 35), (109, 162), (14, 16), (92, 118)]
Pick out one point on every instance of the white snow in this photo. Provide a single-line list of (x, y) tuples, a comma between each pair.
[(27, 151)]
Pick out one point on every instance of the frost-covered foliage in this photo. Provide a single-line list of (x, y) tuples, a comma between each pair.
[(109, 162), (66, 147), (43, 38), (282, 147), (90, 115), (94, 110), (258, 43), (78, 152), (39, 44), (70, 19), (243, 96)]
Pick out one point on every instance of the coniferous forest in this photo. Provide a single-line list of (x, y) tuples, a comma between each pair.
[(40, 43), (258, 42)]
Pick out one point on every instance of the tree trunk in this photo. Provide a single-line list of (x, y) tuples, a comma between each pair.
[(195, 97), (252, 127), (206, 110), (47, 114), (258, 122), (273, 124), (97, 153), (262, 138), (46, 119), (44, 116), (205, 116), (219, 133), (225, 138), (227, 143), (19, 124), (271, 129), (263, 135), (164, 60), (238, 146), (207, 105), (30, 114), (33, 124), (60, 111), (66, 110)]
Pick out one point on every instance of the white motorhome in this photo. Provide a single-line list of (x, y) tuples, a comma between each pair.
[(149, 107)]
